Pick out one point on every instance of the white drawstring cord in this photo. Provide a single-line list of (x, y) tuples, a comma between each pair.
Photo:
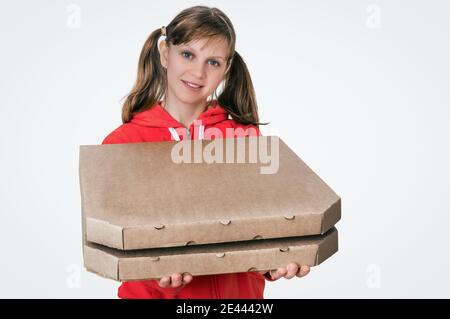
[(174, 134)]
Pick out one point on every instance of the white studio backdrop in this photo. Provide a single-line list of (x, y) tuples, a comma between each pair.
[(358, 89)]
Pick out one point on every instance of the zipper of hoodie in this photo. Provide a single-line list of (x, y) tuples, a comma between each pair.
[(200, 132), (188, 133)]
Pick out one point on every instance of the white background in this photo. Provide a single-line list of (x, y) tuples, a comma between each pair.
[(360, 90)]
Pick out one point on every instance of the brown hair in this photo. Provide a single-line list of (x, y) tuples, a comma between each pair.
[(238, 95)]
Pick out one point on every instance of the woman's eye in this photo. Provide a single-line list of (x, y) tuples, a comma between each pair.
[(216, 63), (185, 52)]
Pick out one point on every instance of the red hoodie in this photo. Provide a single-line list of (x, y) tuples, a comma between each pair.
[(154, 125)]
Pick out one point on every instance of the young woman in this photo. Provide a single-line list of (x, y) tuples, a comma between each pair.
[(175, 98)]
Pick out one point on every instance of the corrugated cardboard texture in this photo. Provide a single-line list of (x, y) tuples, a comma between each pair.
[(135, 197), (209, 259)]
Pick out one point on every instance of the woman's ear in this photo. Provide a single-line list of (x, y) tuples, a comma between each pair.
[(163, 53)]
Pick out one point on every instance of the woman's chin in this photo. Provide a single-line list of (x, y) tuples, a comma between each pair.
[(192, 100)]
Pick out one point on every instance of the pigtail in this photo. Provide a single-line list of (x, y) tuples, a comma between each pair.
[(238, 96), (150, 83)]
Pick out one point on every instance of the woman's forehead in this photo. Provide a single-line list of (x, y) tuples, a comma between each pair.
[(208, 45)]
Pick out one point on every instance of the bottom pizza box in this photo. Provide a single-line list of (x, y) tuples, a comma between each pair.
[(232, 257)]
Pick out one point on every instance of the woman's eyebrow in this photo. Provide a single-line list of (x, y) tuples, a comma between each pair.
[(215, 57)]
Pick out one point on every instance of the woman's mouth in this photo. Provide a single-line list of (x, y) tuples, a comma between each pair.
[(192, 86)]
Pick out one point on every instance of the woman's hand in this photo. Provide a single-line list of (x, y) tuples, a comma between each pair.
[(175, 280), (288, 272)]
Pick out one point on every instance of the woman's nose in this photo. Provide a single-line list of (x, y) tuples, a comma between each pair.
[(198, 70)]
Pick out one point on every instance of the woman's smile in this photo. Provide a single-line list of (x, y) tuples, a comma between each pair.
[(192, 86)]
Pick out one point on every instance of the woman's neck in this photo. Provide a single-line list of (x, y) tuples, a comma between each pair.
[(184, 113)]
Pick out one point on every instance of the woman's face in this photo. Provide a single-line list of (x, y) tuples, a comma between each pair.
[(199, 63)]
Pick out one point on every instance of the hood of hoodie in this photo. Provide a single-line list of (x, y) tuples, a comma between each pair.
[(157, 116)]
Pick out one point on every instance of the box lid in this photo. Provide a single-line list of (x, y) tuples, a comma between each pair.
[(209, 259), (139, 195)]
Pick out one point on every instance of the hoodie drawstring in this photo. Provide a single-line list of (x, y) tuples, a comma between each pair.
[(174, 134), (176, 137)]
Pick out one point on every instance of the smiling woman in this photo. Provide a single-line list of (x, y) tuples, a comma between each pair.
[(174, 99)]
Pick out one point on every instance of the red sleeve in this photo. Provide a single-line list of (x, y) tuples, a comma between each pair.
[(116, 137)]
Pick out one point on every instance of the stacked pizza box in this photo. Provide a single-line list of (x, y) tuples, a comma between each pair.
[(202, 207)]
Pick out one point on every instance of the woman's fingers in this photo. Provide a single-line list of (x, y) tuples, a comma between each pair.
[(278, 273), (175, 280), (187, 278), (292, 270), (164, 281), (303, 271)]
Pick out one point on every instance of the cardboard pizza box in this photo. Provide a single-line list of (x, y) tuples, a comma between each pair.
[(209, 259), (194, 192)]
